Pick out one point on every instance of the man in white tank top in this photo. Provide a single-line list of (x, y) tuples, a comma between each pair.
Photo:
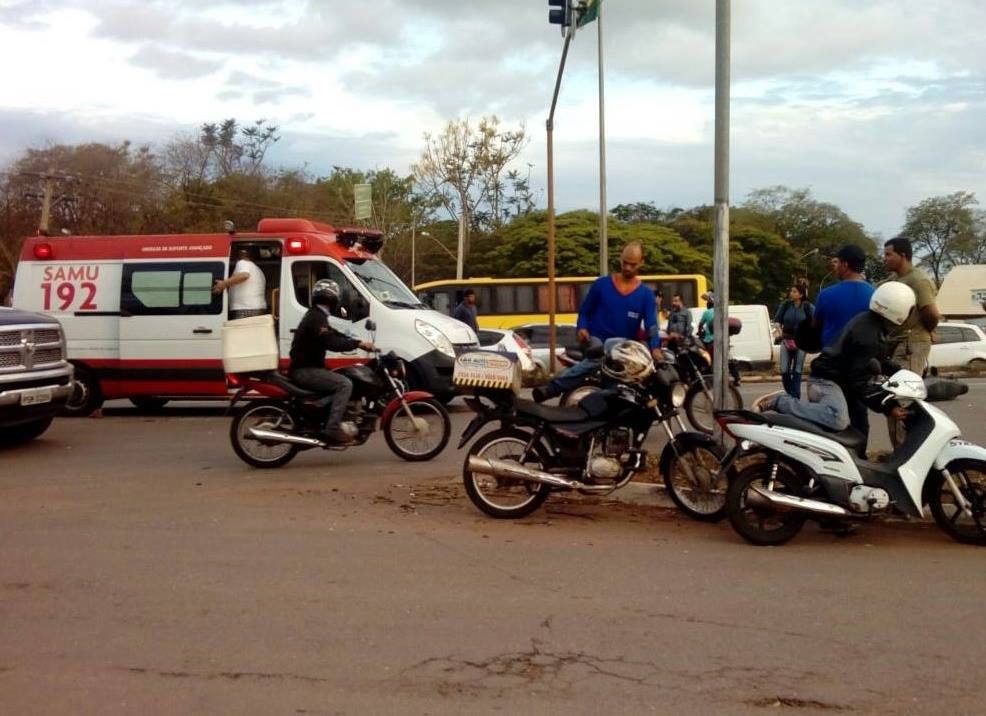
[(247, 287)]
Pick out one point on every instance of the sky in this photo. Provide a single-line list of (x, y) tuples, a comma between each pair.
[(874, 105)]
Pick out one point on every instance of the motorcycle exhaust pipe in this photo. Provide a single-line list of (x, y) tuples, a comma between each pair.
[(274, 435), (780, 502), (505, 468)]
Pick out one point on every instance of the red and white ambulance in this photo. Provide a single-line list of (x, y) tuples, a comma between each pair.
[(141, 320)]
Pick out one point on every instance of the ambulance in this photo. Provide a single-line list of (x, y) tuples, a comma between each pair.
[(142, 322)]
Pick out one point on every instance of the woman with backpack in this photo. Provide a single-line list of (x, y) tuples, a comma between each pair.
[(791, 313)]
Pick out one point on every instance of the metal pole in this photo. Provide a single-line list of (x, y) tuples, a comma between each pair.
[(550, 125), (413, 226), (462, 241), (721, 254), (603, 213)]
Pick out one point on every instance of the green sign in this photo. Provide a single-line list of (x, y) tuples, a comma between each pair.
[(590, 12), (364, 202)]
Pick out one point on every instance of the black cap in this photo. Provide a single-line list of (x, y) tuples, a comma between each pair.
[(853, 256)]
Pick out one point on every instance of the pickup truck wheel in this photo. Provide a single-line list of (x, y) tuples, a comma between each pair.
[(24, 433), (86, 396)]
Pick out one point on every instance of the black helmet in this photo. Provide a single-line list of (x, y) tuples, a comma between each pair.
[(326, 291)]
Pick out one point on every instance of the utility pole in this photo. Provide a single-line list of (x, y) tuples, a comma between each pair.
[(721, 255), (48, 192), (603, 212)]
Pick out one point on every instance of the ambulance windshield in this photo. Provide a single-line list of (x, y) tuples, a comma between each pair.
[(384, 283)]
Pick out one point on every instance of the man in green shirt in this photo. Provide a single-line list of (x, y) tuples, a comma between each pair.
[(913, 338)]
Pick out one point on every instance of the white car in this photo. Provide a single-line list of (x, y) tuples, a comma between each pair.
[(536, 336), (507, 341), (958, 345)]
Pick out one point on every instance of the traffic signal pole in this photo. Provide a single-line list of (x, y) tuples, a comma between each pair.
[(720, 357), (550, 125)]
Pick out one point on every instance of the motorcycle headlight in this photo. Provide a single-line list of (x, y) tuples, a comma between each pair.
[(434, 336)]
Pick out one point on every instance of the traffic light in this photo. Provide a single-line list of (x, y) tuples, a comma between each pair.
[(560, 12)]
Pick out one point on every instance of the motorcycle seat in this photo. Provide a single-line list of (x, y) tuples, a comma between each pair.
[(850, 438), (551, 413), (283, 382)]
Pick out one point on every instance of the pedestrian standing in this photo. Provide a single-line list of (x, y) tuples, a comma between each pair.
[(466, 310), (790, 314), (913, 337), (839, 304)]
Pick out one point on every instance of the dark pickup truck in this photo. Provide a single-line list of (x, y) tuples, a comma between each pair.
[(35, 378)]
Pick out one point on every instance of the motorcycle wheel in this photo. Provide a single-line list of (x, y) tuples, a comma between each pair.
[(415, 445), (504, 497), (970, 478), (762, 525), (698, 403), (270, 414), (690, 468)]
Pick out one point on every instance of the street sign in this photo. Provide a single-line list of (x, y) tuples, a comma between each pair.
[(364, 202)]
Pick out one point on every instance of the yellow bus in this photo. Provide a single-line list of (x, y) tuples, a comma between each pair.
[(509, 302)]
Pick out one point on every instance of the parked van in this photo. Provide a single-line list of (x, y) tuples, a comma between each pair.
[(963, 292), (141, 320), (753, 346)]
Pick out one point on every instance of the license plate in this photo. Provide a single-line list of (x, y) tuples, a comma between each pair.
[(36, 397)]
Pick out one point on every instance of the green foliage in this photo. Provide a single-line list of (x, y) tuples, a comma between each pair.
[(942, 230)]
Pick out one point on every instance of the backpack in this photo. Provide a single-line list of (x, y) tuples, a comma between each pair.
[(807, 337)]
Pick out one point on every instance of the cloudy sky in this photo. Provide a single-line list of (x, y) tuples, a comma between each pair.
[(873, 104)]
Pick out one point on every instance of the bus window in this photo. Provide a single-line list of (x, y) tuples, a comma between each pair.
[(566, 300), (526, 297)]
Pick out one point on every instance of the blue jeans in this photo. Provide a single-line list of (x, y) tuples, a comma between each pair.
[(576, 375), (826, 405), (792, 366)]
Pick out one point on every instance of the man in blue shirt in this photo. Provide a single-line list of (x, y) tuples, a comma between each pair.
[(839, 304), (611, 312)]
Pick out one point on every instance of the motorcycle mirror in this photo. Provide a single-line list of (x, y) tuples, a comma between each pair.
[(370, 325)]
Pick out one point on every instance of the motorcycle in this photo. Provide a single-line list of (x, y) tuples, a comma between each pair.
[(593, 448), (807, 472), (270, 431), (692, 393)]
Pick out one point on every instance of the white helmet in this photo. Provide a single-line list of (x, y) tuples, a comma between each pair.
[(629, 362), (893, 300)]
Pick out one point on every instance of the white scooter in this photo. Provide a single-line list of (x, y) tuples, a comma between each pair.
[(810, 473)]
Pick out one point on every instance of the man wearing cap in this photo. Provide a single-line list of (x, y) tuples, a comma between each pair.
[(836, 306)]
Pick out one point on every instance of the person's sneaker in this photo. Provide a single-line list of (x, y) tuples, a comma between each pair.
[(541, 394), (337, 436), (766, 402)]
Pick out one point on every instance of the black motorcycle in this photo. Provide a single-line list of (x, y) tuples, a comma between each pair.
[(695, 394), (269, 431), (594, 447)]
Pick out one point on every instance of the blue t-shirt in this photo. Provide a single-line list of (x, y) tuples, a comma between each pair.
[(838, 304), (606, 313)]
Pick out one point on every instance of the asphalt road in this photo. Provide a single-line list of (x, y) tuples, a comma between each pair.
[(144, 569)]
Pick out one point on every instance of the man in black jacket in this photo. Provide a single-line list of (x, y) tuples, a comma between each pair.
[(845, 367), (312, 338)]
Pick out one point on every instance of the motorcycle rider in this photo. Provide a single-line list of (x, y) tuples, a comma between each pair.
[(313, 337), (845, 367)]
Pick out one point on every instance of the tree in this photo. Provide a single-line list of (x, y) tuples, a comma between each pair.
[(463, 168), (941, 229), (644, 212)]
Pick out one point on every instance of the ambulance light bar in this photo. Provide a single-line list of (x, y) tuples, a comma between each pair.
[(297, 246), (43, 251)]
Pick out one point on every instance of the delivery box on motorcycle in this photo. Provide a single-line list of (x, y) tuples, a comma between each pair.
[(249, 344), (489, 370)]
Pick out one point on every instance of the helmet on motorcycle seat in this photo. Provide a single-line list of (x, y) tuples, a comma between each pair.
[(629, 362), (893, 300), (326, 291)]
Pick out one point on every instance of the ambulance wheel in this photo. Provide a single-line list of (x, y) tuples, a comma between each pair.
[(86, 396), (149, 402)]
